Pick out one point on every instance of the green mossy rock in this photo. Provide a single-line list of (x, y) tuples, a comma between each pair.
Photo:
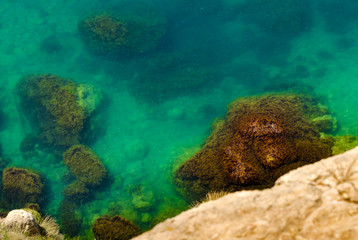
[(143, 201), (70, 218), (344, 143), (36, 214), (325, 123), (50, 103), (85, 165), (122, 35), (20, 186), (117, 227), (76, 191), (260, 139)]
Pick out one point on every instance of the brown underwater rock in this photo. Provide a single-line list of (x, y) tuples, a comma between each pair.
[(260, 139), (20, 186)]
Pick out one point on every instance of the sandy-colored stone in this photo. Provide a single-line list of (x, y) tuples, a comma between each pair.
[(317, 201), (20, 219)]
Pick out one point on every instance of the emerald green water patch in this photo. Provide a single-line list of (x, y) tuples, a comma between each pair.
[(158, 105)]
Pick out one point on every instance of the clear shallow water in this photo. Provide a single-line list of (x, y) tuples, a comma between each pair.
[(141, 141)]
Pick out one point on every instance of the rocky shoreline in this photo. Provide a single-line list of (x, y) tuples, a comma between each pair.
[(316, 201)]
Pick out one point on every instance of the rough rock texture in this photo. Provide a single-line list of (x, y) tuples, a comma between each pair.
[(260, 139), (117, 227), (21, 186), (23, 220), (317, 201)]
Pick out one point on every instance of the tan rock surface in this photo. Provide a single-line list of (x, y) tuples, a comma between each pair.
[(23, 220), (317, 201)]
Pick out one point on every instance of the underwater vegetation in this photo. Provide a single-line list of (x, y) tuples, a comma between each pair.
[(21, 187), (58, 109), (76, 191), (117, 227), (89, 172), (170, 75), (85, 165), (50, 103), (344, 143), (70, 218), (260, 139), (116, 35)]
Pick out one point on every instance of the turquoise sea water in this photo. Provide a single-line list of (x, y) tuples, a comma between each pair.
[(152, 117)]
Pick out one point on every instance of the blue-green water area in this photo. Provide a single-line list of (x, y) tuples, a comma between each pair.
[(159, 104)]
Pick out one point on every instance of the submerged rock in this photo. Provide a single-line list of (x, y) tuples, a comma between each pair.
[(76, 191), (20, 186), (85, 165), (260, 139), (122, 34), (70, 217), (50, 103), (117, 227)]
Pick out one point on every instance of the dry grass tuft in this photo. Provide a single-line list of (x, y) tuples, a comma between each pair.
[(52, 228), (209, 197), (48, 223)]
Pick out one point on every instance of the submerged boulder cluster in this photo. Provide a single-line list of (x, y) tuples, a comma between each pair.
[(59, 111), (260, 139)]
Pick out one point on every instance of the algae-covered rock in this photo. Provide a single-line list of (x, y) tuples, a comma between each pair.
[(344, 143), (37, 216), (50, 103), (76, 191), (85, 165), (142, 198), (117, 227), (325, 123), (70, 218), (143, 201), (122, 34), (20, 186), (260, 139)]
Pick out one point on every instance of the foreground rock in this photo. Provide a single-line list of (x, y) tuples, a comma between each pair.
[(317, 201), (23, 220)]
